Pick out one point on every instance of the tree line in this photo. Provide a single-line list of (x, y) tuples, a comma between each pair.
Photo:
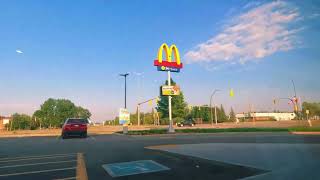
[(313, 108), (180, 112), (52, 113)]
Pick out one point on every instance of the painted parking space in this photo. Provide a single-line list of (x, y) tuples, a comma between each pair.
[(133, 167), (45, 166)]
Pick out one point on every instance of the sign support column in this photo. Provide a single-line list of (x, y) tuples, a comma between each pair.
[(171, 129)]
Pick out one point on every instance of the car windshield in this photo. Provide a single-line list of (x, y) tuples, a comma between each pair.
[(74, 121)]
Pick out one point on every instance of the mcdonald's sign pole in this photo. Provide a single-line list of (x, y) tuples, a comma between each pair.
[(171, 129), (169, 66)]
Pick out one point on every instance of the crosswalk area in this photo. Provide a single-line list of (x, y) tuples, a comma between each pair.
[(45, 166)]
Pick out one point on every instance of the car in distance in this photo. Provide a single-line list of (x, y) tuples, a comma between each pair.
[(188, 122), (74, 126)]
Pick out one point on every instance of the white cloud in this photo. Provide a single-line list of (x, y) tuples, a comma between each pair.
[(19, 51), (259, 32)]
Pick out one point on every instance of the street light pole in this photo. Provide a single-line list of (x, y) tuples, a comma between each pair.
[(295, 101), (294, 88), (215, 109), (215, 113), (125, 125), (125, 89)]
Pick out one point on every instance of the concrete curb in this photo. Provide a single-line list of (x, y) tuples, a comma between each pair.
[(203, 134), (305, 133)]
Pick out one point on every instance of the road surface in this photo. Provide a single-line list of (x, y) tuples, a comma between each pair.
[(189, 156)]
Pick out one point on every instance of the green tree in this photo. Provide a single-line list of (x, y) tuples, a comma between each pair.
[(179, 106), (147, 118), (232, 115), (200, 112), (20, 121), (222, 117), (53, 112), (134, 118), (83, 113), (205, 113), (195, 113), (313, 107)]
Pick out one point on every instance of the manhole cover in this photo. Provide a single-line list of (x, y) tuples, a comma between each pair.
[(133, 167)]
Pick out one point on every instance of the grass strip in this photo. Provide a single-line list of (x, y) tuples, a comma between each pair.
[(222, 130)]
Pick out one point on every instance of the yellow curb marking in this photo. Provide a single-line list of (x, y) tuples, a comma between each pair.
[(162, 146), (306, 133), (81, 168)]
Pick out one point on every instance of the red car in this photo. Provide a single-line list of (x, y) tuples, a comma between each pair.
[(74, 126)]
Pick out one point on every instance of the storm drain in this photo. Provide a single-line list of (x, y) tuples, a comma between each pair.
[(133, 167)]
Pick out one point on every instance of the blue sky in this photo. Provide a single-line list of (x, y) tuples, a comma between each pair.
[(76, 49)]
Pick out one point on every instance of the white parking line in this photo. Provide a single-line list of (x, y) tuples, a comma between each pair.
[(68, 178), (35, 172), (34, 164), (43, 157), (34, 156)]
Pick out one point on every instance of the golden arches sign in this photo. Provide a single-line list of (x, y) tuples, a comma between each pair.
[(168, 51), (169, 63)]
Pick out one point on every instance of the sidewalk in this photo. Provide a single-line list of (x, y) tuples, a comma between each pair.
[(283, 161)]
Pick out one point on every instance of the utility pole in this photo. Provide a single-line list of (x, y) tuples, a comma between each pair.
[(215, 108), (125, 89)]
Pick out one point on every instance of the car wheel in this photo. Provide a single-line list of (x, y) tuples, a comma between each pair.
[(181, 125), (192, 124), (84, 135), (64, 136)]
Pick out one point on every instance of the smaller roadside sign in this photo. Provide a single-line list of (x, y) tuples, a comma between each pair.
[(307, 111), (124, 116), (170, 90)]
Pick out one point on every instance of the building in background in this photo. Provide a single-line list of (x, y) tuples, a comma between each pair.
[(266, 116), (3, 121)]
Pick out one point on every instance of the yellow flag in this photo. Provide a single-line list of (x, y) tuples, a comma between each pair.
[(231, 93)]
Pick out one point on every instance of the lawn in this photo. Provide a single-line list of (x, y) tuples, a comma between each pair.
[(222, 130)]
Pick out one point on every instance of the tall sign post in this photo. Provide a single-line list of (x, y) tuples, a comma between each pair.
[(169, 66), (124, 115)]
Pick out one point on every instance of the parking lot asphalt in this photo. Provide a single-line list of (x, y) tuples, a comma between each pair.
[(75, 158)]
